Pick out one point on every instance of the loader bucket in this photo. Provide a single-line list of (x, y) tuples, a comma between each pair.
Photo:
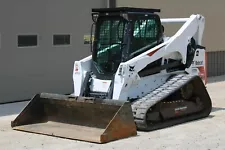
[(78, 118)]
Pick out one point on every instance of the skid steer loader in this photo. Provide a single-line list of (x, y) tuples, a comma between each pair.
[(135, 79)]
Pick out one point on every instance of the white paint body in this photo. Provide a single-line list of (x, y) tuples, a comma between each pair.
[(128, 84)]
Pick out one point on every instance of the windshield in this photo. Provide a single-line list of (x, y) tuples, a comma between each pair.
[(108, 48), (110, 40)]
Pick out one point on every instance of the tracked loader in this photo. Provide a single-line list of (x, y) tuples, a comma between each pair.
[(137, 78)]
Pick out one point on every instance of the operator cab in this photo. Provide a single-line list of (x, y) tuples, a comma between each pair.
[(121, 34)]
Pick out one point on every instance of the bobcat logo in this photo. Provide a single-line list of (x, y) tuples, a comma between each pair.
[(131, 68)]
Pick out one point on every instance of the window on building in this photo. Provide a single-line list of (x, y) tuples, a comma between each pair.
[(27, 40), (61, 39)]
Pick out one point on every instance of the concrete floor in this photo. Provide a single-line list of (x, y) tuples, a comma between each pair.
[(205, 134)]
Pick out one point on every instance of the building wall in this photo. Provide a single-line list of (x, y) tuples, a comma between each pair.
[(216, 63), (213, 11), (45, 67)]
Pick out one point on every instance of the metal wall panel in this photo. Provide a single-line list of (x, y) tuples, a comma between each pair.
[(45, 68), (216, 63)]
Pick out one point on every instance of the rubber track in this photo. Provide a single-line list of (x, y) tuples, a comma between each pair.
[(142, 105)]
